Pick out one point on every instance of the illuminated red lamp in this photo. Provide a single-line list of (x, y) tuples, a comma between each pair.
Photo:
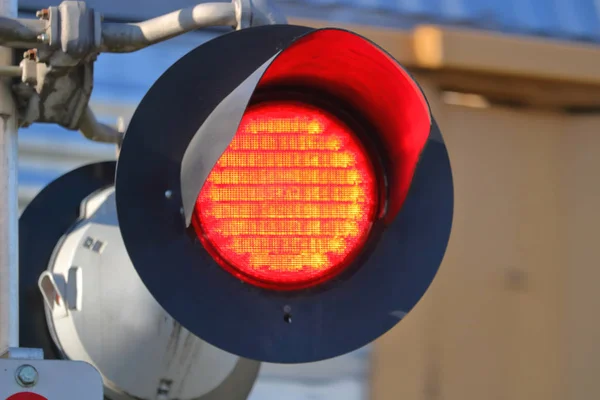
[(292, 199)]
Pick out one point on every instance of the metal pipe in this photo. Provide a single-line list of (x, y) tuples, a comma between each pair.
[(97, 131), (20, 32), (9, 211), (124, 38), (13, 71)]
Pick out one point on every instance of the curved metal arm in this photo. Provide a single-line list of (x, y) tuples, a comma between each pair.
[(123, 38), (94, 130), (129, 37)]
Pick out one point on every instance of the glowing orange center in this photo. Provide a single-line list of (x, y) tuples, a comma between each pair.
[(290, 201)]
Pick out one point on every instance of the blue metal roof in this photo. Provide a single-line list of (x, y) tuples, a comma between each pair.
[(577, 20)]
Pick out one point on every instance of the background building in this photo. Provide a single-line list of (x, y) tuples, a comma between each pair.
[(515, 86)]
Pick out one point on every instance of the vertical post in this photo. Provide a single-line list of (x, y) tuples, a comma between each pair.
[(9, 246)]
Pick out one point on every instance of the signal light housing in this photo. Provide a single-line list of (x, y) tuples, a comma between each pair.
[(69, 243), (252, 232)]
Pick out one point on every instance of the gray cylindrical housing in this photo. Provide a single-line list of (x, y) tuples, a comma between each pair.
[(99, 311)]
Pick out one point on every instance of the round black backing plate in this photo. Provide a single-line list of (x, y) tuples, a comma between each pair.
[(41, 226), (293, 327)]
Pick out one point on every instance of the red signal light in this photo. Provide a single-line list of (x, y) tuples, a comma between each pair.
[(26, 396), (289, 237), (291, 200)]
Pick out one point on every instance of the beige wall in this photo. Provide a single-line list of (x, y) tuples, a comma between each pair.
[(514, 312), (581, 237)]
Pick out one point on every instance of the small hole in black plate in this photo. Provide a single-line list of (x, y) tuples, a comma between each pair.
[(287, 318)]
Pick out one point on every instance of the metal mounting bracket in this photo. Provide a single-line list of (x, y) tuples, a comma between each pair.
[(56, 74)]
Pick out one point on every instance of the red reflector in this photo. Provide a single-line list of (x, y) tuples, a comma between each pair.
[(26, 396), (291, 200)]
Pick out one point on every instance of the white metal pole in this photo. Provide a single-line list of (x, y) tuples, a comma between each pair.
[(9, 212)]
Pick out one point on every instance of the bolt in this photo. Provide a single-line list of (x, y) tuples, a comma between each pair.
[(169, 194), (44, 38), (26, 376), (88, 242), (43, 14), (163, 389), (30, 54)]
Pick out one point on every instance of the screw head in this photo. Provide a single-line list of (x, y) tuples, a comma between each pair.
[(43, 38), (168, 194), (26, 375)]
